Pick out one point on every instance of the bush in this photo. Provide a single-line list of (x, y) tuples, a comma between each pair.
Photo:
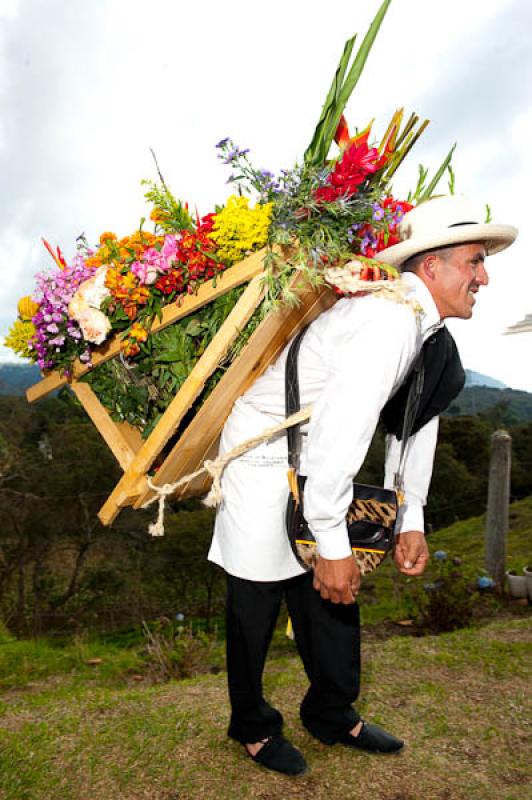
[(446, 602), (175, 651)]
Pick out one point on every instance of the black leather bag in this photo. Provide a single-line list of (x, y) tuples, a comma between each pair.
[(372, 514)]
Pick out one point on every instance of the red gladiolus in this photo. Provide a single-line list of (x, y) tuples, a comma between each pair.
[(356, 164)]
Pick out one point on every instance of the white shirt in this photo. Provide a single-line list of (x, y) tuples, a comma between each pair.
[(352, 359)]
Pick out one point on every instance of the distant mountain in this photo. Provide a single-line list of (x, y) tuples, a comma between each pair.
[(15, 378), (513, 406), (476, 379), (479, 395)]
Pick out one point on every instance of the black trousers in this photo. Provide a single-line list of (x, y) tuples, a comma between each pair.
[(328, 640)]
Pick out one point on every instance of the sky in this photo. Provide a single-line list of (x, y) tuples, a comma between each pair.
[(87, 88)]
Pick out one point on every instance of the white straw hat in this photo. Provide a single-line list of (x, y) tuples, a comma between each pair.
[(441, 222)]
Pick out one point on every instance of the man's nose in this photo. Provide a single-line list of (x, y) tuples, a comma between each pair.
[(482, 276)]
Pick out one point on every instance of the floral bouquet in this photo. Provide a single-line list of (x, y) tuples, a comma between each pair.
[(326, 218)]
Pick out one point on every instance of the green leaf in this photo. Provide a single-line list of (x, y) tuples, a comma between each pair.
[(427, 194), (339, 95), (194, 327), (452, 180), (331, 100), (169, 356)]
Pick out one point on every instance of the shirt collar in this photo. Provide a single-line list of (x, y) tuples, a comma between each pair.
[(430, 318)]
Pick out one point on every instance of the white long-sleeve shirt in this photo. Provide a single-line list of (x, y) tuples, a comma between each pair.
[(352, 359)]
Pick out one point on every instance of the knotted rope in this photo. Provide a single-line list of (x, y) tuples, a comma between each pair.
[(215, 469)]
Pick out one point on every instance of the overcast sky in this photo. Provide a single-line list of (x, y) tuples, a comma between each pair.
[(88, 87)]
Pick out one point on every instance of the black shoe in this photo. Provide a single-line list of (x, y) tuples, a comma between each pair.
[(373, 739), (278, 754)]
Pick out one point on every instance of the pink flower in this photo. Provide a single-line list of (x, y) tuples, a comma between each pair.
[(169, 248), (146, 272)]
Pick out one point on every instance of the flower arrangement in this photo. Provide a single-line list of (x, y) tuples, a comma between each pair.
[(327, 218)]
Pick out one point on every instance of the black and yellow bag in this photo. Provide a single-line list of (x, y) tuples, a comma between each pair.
[(372, 514)]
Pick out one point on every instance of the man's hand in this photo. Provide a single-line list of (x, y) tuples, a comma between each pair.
[(411, 553), (337, 580)]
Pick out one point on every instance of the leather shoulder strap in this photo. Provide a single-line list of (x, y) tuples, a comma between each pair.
[(292, 400)]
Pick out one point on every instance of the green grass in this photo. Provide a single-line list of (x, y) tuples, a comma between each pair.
[(461, 701), (24, 662), (70, 730)]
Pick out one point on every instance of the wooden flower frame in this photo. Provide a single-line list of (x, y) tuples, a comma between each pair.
[(199, 440)]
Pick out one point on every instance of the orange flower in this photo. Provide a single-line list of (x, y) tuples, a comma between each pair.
[(130, 309), (93, 261), (130, 349), (107, 236)]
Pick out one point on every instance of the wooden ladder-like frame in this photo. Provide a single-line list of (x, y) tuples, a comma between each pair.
[(199, 440)]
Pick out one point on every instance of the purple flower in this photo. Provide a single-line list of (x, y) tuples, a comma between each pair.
[(378, 212), (368, 241), (54, 291)]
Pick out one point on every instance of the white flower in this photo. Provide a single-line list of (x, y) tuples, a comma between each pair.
[(84, 307), (94, 325), (94, 291)]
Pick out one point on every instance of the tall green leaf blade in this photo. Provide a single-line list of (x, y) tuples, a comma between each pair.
[(436, 179), (330, 123), (330, 101)]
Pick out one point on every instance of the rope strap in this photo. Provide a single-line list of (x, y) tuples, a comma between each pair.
[(215, 469)]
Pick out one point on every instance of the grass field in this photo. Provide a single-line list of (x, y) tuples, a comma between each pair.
[(83, 719), (461, 701)]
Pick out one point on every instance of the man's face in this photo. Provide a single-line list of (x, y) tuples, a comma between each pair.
[(457, 277)]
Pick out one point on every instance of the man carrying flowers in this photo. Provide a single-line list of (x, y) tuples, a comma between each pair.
[(353, 361)]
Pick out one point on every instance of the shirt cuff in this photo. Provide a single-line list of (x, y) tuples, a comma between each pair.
[(410, 518), (333, 543)]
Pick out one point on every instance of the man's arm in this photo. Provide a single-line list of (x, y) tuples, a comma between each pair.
[(411, 550), (365, 368)]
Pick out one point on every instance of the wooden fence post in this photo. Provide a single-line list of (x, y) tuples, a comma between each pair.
[(498, 501)]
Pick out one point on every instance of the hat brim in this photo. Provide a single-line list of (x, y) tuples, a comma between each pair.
[(495, 237)]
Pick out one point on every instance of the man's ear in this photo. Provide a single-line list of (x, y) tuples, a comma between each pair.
[(428, 266)]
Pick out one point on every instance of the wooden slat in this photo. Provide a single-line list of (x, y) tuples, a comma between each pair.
[(234, 276), (131, 434), (186, 396), (200, 440), (122, 443)]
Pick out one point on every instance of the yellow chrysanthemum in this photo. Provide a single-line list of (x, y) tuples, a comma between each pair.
[(27, 308), (239, 229), (18, 338)]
